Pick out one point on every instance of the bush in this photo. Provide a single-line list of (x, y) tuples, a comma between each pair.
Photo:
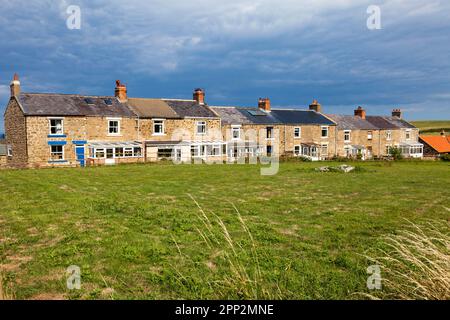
[(395, 153), (445, 157)]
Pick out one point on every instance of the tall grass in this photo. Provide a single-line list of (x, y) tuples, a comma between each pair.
[(416, 263), (241, 275), (4, 293)]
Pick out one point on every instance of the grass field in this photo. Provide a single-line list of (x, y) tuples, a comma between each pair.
[(136, 233), (432, 127)]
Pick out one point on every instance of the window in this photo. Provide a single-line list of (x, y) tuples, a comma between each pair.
[(195, 151), (236, 133), (56, 126), (388, 150), (269, 151), (113, 127), (119, 153), (369, 135), (388, 135), (324, 150), (158, 127), (110, 153), (128, 152), (408, 134), (324, 132), (201, 127), (297, 150), (56, 153), (99, 153), (297, 132), (347, 136), (216, 150), (10, 152), (269, 134), (137, 152)]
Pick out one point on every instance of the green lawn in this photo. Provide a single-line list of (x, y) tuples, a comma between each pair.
[(136, 234), (432, 127)]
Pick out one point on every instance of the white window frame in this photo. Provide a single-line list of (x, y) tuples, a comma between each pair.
[(322, 128), (118, 126), (408, 134), (389, 135), (9, 151), (235, 129), (163, 126), (50, 126), (369, 135), (271, 134), (297, 132), (299, 153), (349, 133), (198, 125), (324, 145), (62, 153)]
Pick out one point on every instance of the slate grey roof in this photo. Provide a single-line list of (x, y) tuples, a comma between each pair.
[(389, 122), (301, 116), (241, 115), (151, 108), (51, 104), (231, 115), (348, 122), (190, 108)]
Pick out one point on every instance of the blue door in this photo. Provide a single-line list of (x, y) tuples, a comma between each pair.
[(79, 150)]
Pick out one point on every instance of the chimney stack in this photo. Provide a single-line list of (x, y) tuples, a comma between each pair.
[(264, 104), (360, 112), (199, 96), (315, 106), (15, 86), (121, 91), (397, 113)]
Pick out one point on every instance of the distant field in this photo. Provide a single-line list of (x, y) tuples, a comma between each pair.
[(432, 127), (136, 233)]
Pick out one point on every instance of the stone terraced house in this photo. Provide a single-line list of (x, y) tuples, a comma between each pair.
[(49, 129), (366, 137)]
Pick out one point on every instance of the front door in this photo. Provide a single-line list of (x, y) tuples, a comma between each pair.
[(79, 150)]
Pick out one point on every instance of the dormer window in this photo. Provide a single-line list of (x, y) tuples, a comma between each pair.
[(56, 126)]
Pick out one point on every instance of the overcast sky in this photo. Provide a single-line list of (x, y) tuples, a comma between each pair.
[(289, 50)]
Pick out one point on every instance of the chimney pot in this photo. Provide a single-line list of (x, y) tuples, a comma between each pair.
[(397, 113), (315, 106), (199, 96), (121, 91), (360, 112), (15, 86), (264, 104)]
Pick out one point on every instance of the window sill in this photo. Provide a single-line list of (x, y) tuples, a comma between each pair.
[(58, 161), (114, 135), (57, 136), (158, 134)]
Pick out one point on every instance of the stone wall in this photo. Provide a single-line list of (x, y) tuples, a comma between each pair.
[(16, 136)]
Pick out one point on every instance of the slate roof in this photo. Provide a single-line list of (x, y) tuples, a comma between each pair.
[(243, 115), (301, 116), (51, 104), (389, 122), (151, 108), (190, 108), (231, 115), (348, 122)]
